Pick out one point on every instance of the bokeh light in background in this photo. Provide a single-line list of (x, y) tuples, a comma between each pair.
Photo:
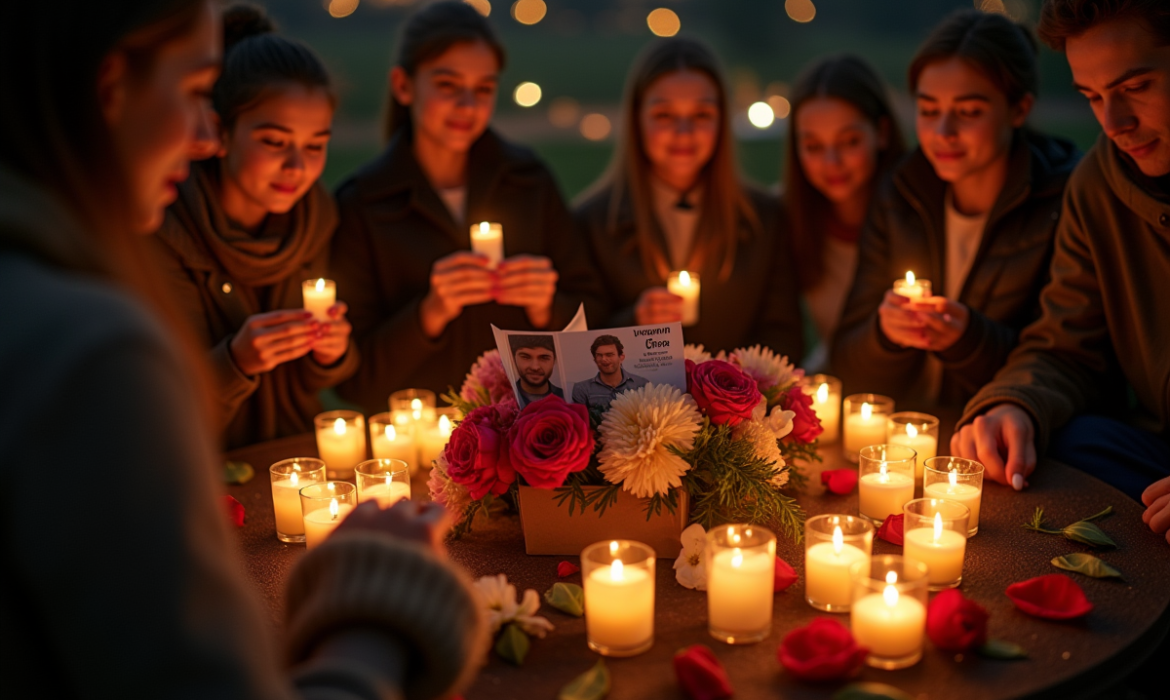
[(529, 11), (760, 115), (780, 105), (483, 6), (564, 112), (663, 22), (800, 10), (527, 94), (342, 8), (595, 127)]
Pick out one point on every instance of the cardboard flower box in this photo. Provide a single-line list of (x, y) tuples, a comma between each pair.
[(549, 529)]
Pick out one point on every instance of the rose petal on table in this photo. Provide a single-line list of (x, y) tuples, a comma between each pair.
[(700, 675), (839, 481), (955, 623), (566, 569), (822, 650), (1053, 597), (783, 577), (891, 529), (235, 510)]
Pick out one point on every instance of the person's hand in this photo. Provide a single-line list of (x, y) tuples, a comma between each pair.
[(458, 280), (657, 305), (944, 322), (1157, 500), (900, 322), (332, 338), (528, 281), (424, 522), (270, 339), (1003, 441)]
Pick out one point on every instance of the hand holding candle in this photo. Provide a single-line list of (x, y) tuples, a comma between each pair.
[(912, 288), (686, 285), (319, 295)]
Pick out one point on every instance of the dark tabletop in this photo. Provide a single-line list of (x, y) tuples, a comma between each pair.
[(1068, 659)]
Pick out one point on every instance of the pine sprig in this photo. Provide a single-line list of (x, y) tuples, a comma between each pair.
[(453, 398)]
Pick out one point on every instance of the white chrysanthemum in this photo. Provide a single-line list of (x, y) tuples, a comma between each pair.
[(499, 599), (637, 432), (765, 366), (696, 353)]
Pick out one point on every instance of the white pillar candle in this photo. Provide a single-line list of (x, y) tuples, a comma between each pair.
[(925, 445), (889, 624), (739, 591), (619, 606), (389, 443), (341, 445), (320, 523), (968, 495), (487, 239), (827, 404), (386, 494), (319, 295), (286, 501), (911, 288), (686, 285), (864, 428), (826, 571), (432, 442), (940, 549), (883, 493)]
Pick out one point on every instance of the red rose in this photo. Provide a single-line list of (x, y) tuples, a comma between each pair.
[(806, 426), (700, 675), (955, 623), (839, 481), (1053, 596), (235, 510), (821, 651), (783, 577), (891, 529), (722, 391), (476, 454), (549, 440)]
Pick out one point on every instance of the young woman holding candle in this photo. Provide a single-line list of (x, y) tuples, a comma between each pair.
[(249, 226), (844, 139), (973, 209), (421, 302), (673, 199), (126, 583)]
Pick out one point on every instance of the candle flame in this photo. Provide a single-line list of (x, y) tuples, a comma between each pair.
[(615, 570), (391, 433), (736, 558), (912, 431), (823, 393), (684, 278), (331, 486), (890, 595), (866, 411), (954, 477), (891, 577), (293, 478), (333, 509), (320, 284), (339, 426), (416, 404), (444, 426), (883, 474), (937, 527), (910, 278), (484, 228), (613, 547), (388, 476), (838, 540)]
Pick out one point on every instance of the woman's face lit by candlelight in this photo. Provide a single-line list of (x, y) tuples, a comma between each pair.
[(838, 147), (680, 122)]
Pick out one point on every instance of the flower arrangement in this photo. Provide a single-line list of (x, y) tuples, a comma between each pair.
[(730, 442)]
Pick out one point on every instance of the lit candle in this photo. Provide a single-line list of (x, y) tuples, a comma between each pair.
[(827, 582), (826, 397), (433, 441), (911, 288), (412, 409), (940, 549), (739, 591), (884, 492), (388, 443), (487, 239), (686, 285), (341, 441), (386, 494), (956, 479), (320, 523), (619, 602), (318, 296), (288, 477), (866, 427), (890, 624), (924, 444)]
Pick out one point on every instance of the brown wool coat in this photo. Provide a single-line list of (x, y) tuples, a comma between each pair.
[(393, 229), (1106, 313), (906, 230), (217, 295), (758, 303)]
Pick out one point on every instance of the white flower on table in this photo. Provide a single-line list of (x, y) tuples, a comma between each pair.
[(690, 569), (499, 599)]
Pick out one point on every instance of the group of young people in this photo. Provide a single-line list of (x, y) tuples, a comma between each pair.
[(131, 359)]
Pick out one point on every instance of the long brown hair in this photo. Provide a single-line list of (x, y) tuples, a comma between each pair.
[(428, 34), (726, 208), (850, 79)]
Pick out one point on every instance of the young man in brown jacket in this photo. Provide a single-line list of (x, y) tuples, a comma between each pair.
[(1106, 313)]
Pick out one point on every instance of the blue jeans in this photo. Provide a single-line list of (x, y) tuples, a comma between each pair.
[(1127, 458)]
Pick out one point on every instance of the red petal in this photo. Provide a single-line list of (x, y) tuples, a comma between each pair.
[(567, 568), (891, 529), (955, 623), (235, 510), (840, 481), (783, 577), (822, 650), (1054, 597), (700, 675)]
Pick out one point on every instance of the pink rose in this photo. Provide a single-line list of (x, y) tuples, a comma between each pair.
[(723, 392), (476, 455), (549, 440), (806, 426)]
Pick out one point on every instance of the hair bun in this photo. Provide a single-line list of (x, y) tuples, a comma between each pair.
[(242, 21)]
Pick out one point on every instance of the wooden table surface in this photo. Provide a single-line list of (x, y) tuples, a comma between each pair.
[(1069, 659)]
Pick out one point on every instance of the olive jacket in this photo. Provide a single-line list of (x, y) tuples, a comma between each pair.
[(1105, 313), (394, 227), (906, 230)]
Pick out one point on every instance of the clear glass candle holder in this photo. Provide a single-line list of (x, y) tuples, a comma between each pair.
[(341, 441), (826, 401), (741, 570), (889, 610), (919, 432), (411, 408), (935, 533), (288, 477), (864, 417), (956, 479), (385, 481), (886, 481), (324, 506), (832, 545), (432, 439), (390, 441), (618, 578)]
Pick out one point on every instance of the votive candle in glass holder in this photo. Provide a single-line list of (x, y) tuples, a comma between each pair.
[(741, 572), (826, 401), (412, 408), (935, 533), (919, 432), (385, 481), (886, 481), (325, 505), (889, 610), (487, 239), (913, 288), (388, 442), (618, 578), (686, 285), (833, 544), (956, 479), (319, 296), (341, 441), (433, 439), (288, 477), (865, 422)]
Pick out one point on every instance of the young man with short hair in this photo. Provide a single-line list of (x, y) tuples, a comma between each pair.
[(611, 380), (534, 357)]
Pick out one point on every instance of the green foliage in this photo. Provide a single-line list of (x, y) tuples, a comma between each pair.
[(513, 645), (1081, 531), (453, 398), (591, 685), (1086, 564), (566, 597), (796, 455), (1002, 650)]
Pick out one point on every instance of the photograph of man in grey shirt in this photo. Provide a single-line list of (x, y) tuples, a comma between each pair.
[(611, 379), (534, 356)]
